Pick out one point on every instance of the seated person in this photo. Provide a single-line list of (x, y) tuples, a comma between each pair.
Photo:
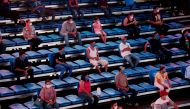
[(29, 34), (97, 27), (22, 66), (125, 51), (114, 105), (184, 41), (93, 56), (163, 102), (40, 9), (161, 80), (122, 85), (157, 48), (84, 91), (48, 96), (69, 30), (73, 4), (2, 45), (103, 4), (131, 25), (61, 64), (158, 23)]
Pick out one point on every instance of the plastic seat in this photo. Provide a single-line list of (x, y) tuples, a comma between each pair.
[(110, 32), (182, 64), (110, 61), (172, 67), (36, 70), (180, 81), (102, 46), (69, 50), (147, 86), (137, 88), (112, 44), (4, 91), (176, 51), (141, 70), (88, 34), (20, 41), (33, 54), (71, 81), (120, 31), (174, 84), (74, 99), (79, 78), (82, 63), (108, 76), (19, 89), (7, 57), (97, 77), (54, 50), (59, 83), (131, 73), (79, 48), (151, 68), (42, 84), (116, 59), (17, 106), (75, 66), (63, 102), (30, 105), (45, 38), (45, 68), (112, 92), (6, 74), (44, 52), (102, 96), (115, 72), (32, 87)]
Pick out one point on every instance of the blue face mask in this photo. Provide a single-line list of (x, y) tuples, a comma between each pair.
[(87, 78), (157, 37), (23, 57)]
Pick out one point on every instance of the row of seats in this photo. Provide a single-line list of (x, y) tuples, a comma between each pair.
[(105, 94)]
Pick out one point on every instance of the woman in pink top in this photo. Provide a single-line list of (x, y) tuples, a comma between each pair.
[(84, 90), (97, 26), (48, 96)]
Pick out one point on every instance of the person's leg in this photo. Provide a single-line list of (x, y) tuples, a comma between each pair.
[(124, 92), (81, 13), (128, 59), (49, 12), (48, 106), (160, 87), (30, 72), (95, 64), (68, 68), (104, 63), (79, 38), (104, 36), (66, 38), (17, 73), (87, 98), (61, 68), (133, 96), (136, 31), (56, 106), (136, 60)]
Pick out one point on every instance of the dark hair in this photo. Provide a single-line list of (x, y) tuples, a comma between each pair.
[(47, 81), (162, 67), (131, 14), (155, 7), (113, 102), (61, 47), (155, 33), (83, 76), (69, 18), (21, 52), (28, 20), (96, 18), (183, 33), (92, 41)]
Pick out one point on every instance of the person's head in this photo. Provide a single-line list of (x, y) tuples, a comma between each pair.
[(21, 54), (162, 69), (163, 94), (123, 39), (96, 20), (48, 84), (92, 43), (85, 77), (61, 49), (130, 15), (156, 10), (185, 32), (114, 105), (156, 36), (34, 0), (28, 23), (69, 19)]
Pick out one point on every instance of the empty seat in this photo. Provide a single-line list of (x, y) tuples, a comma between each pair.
[(45, 68), (102, 96), (30, 105), (19, 89), (108, 76), (116, 59), (71, 81), (59, 83), (63, 102), (137, 88), (147, 86), (75, 66), (36, 70), (74, 99), (96, 77), (20, 41), (131, 73), (17, 106), (82, 63), (33, 54), (112, 92), (180, 81), (44, 52), (69, 50), (32, 87), (6, 74), (4, 91)]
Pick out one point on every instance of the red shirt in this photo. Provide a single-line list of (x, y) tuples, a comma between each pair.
[(87, 87)]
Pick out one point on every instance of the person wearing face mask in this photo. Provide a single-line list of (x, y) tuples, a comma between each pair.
[(22, 66), (76, 12), (156, 47), (69, 30), (131, 25), (93, 56), (125, 51), (61, 64), (161, 80), (184, 41), (84, 91), (29, 34), (48, 96), (158, 23), (115, 105), (163, 102), (97, 27)]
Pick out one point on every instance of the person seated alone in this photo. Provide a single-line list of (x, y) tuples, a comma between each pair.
[(29, 34), (76, 12), (161, 80), (125, 51), (184, 41), (131, 25), (2, 45), (157, 48), (93, 56), (61, 64), (97, 27), (23, 67), (69, 30)]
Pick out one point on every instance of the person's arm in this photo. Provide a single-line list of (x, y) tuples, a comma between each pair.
[(88, 54), (97, 58), (63, 30), (172, 103), (125, 49), (117, 83), (55, 96), (146, 45), (170, 85), (42, 95), (57, 61)]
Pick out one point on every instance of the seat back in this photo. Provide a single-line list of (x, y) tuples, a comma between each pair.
[(152, 76)]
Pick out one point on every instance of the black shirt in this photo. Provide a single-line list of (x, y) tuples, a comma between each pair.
[(155, 45), (60, 57), (182, 42), (22, 64)]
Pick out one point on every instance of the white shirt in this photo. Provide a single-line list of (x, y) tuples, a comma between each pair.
[(93, 53), (163, 104), (123, 46)]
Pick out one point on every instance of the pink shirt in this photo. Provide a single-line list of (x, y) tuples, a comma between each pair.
[(87, 87), (97, 27), (48, 94)]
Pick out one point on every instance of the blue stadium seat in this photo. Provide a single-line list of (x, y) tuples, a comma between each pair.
[(96, 77), (174, 25), (174, 84), (59, 83), (88, 34), (141, 70), (79, 48), (63, 102), (33, 54), (45, 68), (6, 74), (172, 67), (120, 31), (44, 52), (45, 38), (115, 72), (137, 88), (133, 42), (176, 51), (108, 76), (110, 32), (147, 86), (141, 41), (79, 78), (54, 50), (82, 63), (69, 50), (182, 64), (7, 57), (71, 81), (102, 96), (20, 41), (36, 70), (116, 59), (131, 73), (74, 99), (75, 66), (30, 105), (16, 54), (102, 46), (32, 87), (42, 84), (110, 61), (151, 68), (112, 44), (19, 89), (17, 106), (180, 81), (4, 91), (112, 92)]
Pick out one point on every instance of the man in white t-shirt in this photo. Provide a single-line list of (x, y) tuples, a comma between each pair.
[(163, 102), (125, 51)]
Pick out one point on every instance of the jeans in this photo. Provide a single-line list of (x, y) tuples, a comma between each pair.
[(19, 73), (2, 48), (129, 58), (133, 31), (164, 55), (107, 12), (63, 68), (66, 38), (132, 99), (87, 98), (76, 12), (44, 105)]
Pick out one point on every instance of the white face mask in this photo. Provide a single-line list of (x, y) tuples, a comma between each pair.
[(131, 17), (48, 86), (71, 21), (115, 107)]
